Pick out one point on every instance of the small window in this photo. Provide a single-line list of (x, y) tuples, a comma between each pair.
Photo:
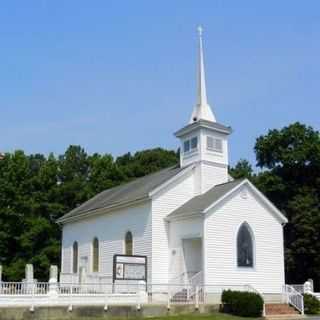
[(245, 246), (129, 244), (95, 255), (186, 146), (194, 143), (214, 144), (75, 257)]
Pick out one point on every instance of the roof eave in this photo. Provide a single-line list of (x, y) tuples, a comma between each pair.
[(195, 214), (103, 210), (204, 124)]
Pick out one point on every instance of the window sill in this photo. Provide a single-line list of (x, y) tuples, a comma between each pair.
[(190, 153), (214, 151), (246, 269)]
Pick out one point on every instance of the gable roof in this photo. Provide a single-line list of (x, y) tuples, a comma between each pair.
[(200, 203), (135, 190), (203, 203)]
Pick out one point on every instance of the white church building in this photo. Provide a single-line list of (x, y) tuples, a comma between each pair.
[(193, 222)]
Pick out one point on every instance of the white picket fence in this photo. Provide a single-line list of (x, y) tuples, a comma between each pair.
[(135, 293), (106, 294)]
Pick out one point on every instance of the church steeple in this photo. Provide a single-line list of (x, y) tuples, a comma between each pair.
[(203, 141), (202, 110)]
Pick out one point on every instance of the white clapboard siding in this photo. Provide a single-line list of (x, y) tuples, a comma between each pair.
[(66, 259), (221, 226), (110, 229), (165, 202), (212, 174)]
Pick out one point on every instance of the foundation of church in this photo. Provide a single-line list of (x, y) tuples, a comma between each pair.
[(113, 312)]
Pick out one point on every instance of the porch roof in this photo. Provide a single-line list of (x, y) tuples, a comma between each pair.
[(199, 203)]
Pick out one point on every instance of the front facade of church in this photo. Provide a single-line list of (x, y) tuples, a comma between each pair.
[(195, 224)]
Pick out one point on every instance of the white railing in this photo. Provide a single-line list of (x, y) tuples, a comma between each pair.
[(24, 288), (298, 287), (64, 294), (294, 298), (196, 279)]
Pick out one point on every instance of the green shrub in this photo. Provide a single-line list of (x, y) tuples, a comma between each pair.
[(242, 303), (311, 304)]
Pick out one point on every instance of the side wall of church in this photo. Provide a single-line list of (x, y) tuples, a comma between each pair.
[(211, 175), (179, 192), (221, 229), (110, 229)]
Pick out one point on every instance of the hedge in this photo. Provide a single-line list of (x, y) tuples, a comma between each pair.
[(311, 304), (242, 303)]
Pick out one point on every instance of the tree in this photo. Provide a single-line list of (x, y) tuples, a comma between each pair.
[(36, 190), (242, 169), (291, 160)]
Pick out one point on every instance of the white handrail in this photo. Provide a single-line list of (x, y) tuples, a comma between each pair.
[(294, 298), (196, 279)]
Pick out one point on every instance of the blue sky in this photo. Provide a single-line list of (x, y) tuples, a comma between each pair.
[(118, 76)]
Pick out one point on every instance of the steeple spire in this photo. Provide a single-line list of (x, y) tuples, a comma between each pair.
[(202, 109)]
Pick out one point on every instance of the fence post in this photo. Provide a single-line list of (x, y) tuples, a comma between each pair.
[(53, 284), (138, 301), (169, 297), (197, 297), (70, 305), (106, 299), (0, 279), (307, 288), (32, 299)]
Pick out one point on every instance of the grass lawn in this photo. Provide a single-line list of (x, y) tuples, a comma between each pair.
[(194, 316), (213, 316)]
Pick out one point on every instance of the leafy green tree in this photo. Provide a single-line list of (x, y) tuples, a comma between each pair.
[(146, 162), (36, 190), (291, 158), (242, 169)]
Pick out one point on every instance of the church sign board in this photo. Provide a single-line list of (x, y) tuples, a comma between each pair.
[(127, 267)]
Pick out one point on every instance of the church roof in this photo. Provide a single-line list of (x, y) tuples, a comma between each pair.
[(205, 124), (200, 203), (135, 190)]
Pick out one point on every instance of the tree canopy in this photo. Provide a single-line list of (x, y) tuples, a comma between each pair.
[(291, 158), (36, 190)]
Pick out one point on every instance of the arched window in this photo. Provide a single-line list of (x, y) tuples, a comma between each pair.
[(95, 255), (245, 246), (75, 257), (129, 244)]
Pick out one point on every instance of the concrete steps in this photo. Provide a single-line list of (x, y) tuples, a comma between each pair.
[(280, 309)]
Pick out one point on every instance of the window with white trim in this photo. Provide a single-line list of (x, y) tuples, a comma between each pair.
[(245, 246), (95, 255), (214, 144), (194, 143), (190, 145), (186, 146), (75, 257), (129, 244)]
